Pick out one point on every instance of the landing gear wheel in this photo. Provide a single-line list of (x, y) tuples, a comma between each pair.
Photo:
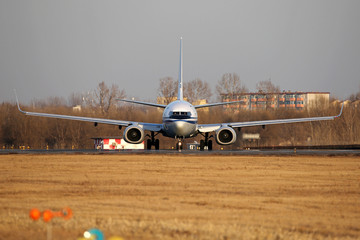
[(152, 141), (202, 145), (206, 143), (148, 144), (210, 145), (157, 144)]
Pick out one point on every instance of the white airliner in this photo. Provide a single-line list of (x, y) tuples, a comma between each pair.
[(179, 121)]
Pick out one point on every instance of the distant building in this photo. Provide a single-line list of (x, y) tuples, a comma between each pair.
[(251, 140), (286, 100), (201, 102), (195, 146), (77, 108)]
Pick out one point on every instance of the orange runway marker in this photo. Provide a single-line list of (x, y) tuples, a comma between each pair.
[(35, 214), (48, 215)]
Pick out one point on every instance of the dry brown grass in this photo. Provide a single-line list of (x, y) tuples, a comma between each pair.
[(182, 197)]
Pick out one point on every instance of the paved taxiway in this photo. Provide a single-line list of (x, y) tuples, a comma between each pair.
[(277, 152)]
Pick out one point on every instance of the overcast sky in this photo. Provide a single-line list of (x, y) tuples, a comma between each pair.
[(55, 48)]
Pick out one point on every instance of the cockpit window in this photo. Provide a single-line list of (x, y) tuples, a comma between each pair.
[(180, 115)]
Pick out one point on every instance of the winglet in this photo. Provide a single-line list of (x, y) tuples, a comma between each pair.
[(17, 102), (342, 107)]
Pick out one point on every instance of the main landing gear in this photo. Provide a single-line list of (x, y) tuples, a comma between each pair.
[(206, 142), (152, 142)]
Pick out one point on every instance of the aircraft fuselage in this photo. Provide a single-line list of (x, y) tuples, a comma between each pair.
[(180, 120)]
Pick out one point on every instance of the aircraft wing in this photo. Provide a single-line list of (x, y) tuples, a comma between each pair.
[(146, 126), (214, 127), (215, 104)]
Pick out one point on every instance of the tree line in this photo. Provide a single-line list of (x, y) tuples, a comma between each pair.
[(17, 130)]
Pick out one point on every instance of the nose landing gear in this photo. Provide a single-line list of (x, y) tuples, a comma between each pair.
[(179, 144)]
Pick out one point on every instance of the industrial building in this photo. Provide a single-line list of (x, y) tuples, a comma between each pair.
[(114, 143), (285, 100)]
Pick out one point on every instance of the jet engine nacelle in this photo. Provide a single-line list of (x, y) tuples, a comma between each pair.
[(134, 134), (225, 136)]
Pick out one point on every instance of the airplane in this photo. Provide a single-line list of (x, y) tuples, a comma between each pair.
[(179, 121)]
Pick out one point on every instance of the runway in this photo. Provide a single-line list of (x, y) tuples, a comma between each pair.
[(182, 196), (254, 152)]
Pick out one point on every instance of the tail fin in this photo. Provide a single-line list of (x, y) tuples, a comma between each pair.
[(180, 87)]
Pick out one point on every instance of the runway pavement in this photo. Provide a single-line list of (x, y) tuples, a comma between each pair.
[(280, 152)]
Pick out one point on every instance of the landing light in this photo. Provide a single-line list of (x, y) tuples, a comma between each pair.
[(87, 235)]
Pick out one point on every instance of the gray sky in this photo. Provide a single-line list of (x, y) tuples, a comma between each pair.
[(54, 48)]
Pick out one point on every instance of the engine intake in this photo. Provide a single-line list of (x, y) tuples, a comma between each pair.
[(134, 134), (225, 136)]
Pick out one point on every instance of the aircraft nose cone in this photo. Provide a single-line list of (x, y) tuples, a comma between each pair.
[(180, 128)]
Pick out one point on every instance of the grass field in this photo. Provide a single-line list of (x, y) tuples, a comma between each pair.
[(182, 197)]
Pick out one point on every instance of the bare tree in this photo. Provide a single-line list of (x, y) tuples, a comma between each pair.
[(355, 96), (197, 90), (167, 89), (231, 85), (101, 94), (53, 101), (75, 99), (9, 122), (267, 86), (105, 97)]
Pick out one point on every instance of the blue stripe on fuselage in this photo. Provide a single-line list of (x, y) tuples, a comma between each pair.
[(180, 120), (192, 120)]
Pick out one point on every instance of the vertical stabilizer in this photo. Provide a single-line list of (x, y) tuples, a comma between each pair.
[(180, 87)]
